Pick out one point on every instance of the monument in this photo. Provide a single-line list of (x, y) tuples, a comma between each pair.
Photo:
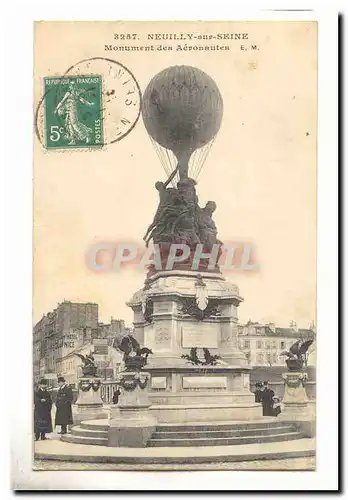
[(187, 311), (191, 372)]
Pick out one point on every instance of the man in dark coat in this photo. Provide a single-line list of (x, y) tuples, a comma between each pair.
[(267, 400), (258, 392), (63, 404), (115, 396), (42, 411)]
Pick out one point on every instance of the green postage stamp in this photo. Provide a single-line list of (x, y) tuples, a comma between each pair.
[(73, 112)]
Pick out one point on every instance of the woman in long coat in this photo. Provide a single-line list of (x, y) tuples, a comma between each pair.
[(63, 404), (42, 411), (267, 400)]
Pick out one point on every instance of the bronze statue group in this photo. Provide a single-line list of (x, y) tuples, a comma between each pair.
[(43, 407), (179, 217)]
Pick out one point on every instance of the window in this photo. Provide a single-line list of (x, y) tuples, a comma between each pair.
[(268, 344), (274, 345), (246, 344), (282, 344), (259, 344), (275, 358), (259, 359), (258, 331)]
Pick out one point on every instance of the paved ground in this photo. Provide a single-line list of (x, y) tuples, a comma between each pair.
[(287, 464), (57, 449), (305, 463)]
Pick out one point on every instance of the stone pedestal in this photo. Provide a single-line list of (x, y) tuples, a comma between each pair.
[(131, 423), (295, 399), (296, 405), (89, 403), (180, 310)]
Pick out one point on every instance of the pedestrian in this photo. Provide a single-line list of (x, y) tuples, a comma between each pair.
[(258, 392), (115, 396), (267, 400), (276, 406), (42, 411), (63, 404)]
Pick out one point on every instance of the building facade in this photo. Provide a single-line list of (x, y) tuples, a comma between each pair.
[(263, 343), (65, 330), (112, 329), (107, 359)]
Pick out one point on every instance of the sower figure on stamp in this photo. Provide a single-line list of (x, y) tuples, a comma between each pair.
[(267, 400), (63, 404), (42, 411), (67, 107)]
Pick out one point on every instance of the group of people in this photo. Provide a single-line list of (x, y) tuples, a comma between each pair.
[(270, 402), (43, 407)]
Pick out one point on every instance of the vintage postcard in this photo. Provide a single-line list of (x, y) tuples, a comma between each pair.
[(174, 308)]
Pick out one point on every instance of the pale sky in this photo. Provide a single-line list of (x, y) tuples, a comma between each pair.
[(261, 172)]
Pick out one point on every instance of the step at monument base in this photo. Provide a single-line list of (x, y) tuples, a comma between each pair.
[(194, 435)]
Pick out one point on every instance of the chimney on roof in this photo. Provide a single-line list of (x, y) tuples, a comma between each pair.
[(293, 325)]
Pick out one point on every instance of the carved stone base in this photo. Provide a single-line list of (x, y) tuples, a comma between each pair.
[(215, 412), (131, 423), (134, 390), (187, 385), (295, 399), (89, 403), (178, 311)]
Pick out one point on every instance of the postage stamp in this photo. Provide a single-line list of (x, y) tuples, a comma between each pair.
[(73, 112)]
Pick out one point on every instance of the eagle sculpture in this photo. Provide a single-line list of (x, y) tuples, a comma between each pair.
[(297, 355), (134, 356), (89, 368)]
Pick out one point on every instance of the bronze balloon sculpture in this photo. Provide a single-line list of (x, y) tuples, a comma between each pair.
[(182, 112)]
